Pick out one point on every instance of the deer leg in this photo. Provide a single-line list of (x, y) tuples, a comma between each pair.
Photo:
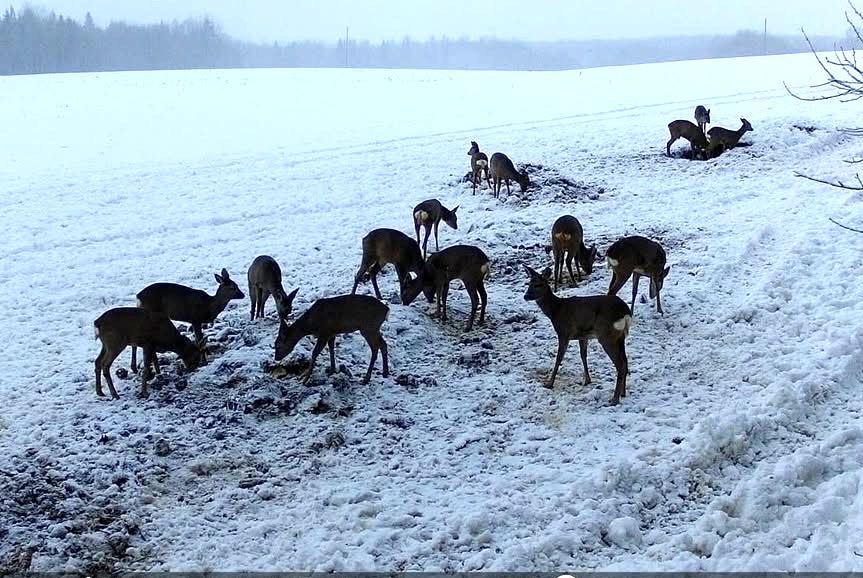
[(562, 344), (487, 177), (582, 346), (156, 367), (372, 340), (616, 351), (365, 265), (134, 365), (108, 357), (417, 226), (558, 267), (569, 257), (658, 302), (436, 248), (382, 344), (474, 303), (668, 145), (444, 291), (331, 344), (373, 272), (635, 278), (253, 298), (199, 337), (507, 187), (149, 355), (262, 302), (483, 300), (473, 181), (617, 281), (319, 346), (99, 359), (426, 240)]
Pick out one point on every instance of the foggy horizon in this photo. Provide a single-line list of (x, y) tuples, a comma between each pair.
[(267, 21)]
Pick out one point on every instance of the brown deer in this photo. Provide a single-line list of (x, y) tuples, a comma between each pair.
[(478, 165), (333, 316), (465, 262), (383, 246), (691, 132), (121, 327), (429, 214), (502, 170), (725, 138), (702, 117), (193, 306), (605, 318), (265, 279), (637, 256), (567, 238)]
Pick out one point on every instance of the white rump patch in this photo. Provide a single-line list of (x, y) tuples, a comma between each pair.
[(138, 302), (421, 216), (623, 324), (613, 263), (481, 163), (486, 267), (95, 331)]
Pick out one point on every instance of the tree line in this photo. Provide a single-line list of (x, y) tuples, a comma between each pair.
[(36, 42)]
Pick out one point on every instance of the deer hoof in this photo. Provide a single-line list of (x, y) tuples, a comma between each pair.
[(548, 385), (614, 401)]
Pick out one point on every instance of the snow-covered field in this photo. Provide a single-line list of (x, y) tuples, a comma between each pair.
[(738, 447)]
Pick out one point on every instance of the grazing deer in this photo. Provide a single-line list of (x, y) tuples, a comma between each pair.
[(502, 169), (333, 316), (702, 117), (637, 256), (265, 279), (567, 238), (478, 164), (182, 303), (465, 262), (728, 139), (605, 318), (689, 131), (121, 327), (383, 246), (429, 214)]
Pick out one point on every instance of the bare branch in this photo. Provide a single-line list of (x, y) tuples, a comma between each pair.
[(837, 184), (845, 226)]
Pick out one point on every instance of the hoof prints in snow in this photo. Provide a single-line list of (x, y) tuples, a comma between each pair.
[(547, 184)]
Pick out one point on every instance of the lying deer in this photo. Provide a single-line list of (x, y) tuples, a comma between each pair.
[(502, 169), (605, 318), (182, 303), (333, 316), (728, 139), (702, 117), (383, 246), (478, 165), (121, 327), (465, 262), (265, 279), (637, 256), (567, 239), (691, 132), (429, 214)]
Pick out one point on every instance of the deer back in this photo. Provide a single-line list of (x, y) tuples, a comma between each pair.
[(688, 130), (567, 234), (391, 246), (638, 254), (428, 212), (187, 304), (702, 115), (265, 273), (124, 326)]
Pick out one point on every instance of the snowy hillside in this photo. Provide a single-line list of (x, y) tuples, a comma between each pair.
[(738, 447)]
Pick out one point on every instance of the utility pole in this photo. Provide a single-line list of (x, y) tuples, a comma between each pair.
[(346, 47), (765, 36)]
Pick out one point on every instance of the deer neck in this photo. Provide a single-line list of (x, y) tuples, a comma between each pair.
[(218, 302), (548, 303)]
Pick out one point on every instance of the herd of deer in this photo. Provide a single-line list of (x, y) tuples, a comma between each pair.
[(705, 145), (605, 318)]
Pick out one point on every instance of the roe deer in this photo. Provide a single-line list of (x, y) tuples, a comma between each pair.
[(728, 139), (465, 262), (637, 256), (118, 328), (502, 169), (689, 131), (605, 318), (182, 303), (265, 279), (383, 246), (702, 116), (332, 316), (567, 238), (429, 214), (478, 164)]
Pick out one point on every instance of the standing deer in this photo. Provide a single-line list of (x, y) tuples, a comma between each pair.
[(637, 256), (383, 246), (728, 139), (689, 131), (502, 169), (702, 117), (605, 318), (333, 316), (182, 303), (265, 279), (465, 262), (429, 214), (478, 165), (567, 238), (121, 327)]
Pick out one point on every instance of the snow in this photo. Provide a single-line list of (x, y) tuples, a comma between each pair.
[(739, 444)]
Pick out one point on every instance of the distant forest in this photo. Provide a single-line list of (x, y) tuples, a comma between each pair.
[(34, 42)]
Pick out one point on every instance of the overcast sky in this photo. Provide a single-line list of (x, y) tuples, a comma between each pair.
[(376, 20)]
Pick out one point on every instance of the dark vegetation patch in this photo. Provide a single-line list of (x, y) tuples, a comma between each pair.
[(547, 184)]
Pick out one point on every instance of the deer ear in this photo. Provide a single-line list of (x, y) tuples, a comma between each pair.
[(292, 294), (708, 111), (225, 274), (218, 278), (530, 271), (546, 273), (593, 251), (456, 209), (665, 272)]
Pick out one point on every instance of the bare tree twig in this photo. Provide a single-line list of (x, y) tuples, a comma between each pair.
[(837, 184), (845, 227)]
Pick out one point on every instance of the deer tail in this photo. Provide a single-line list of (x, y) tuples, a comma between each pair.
[(623, 324)]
